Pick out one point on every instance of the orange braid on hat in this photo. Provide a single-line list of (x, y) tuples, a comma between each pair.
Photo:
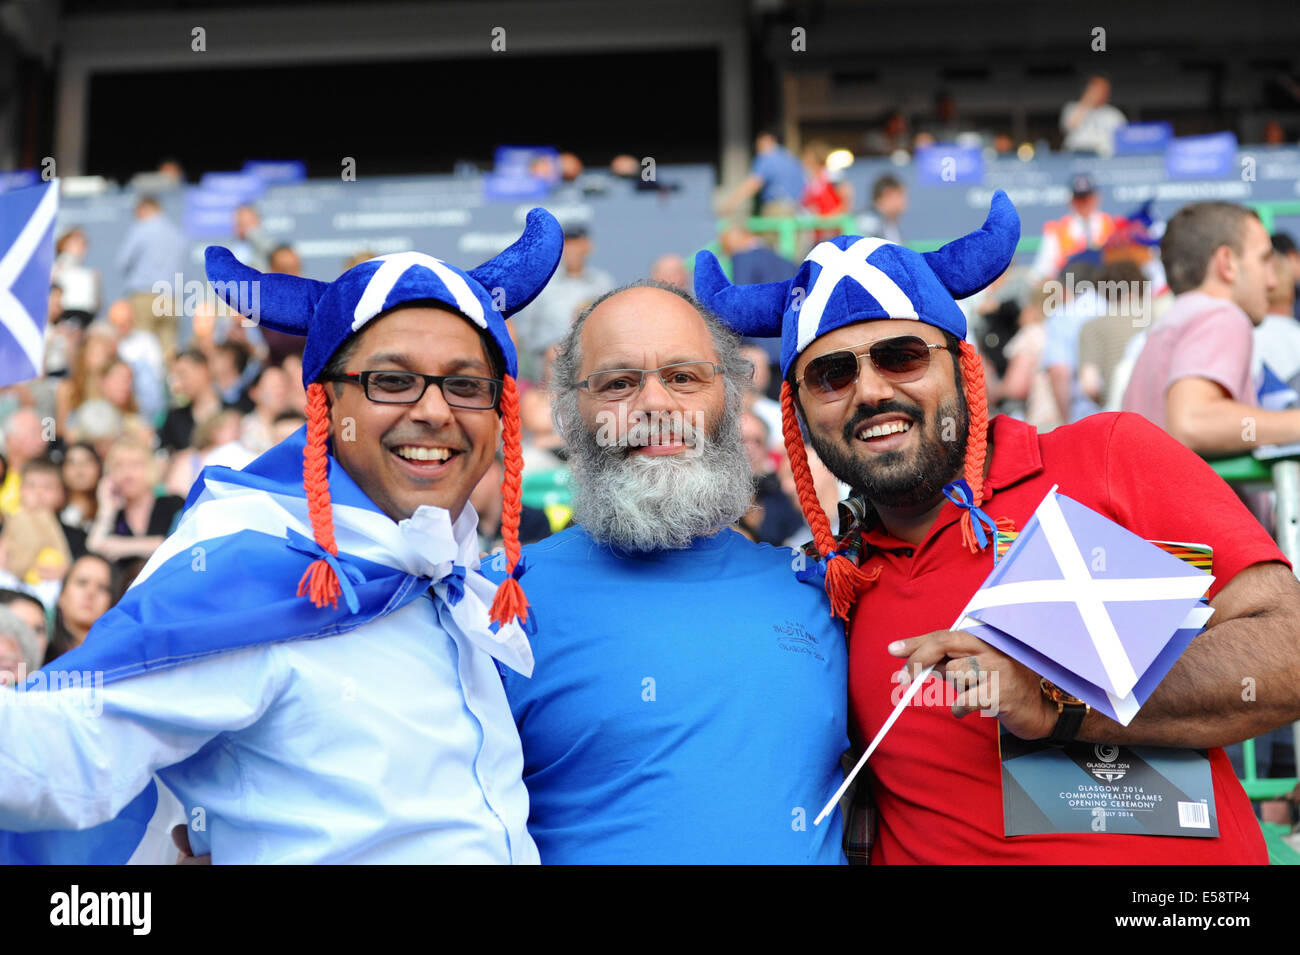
[(510, 602), (843, 577), (320, 582), (972, 374)]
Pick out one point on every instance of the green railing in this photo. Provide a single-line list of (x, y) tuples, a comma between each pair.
[(1269, 211), (1246, 471)]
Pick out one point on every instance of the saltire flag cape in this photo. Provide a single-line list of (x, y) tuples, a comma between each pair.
[(26, 258), (218, 584), (1086, 603)]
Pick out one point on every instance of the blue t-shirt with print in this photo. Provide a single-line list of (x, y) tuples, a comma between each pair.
[(686, 706)]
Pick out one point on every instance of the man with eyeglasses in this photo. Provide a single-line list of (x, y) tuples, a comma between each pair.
[(309, 663), (688, 704), (892, 396)]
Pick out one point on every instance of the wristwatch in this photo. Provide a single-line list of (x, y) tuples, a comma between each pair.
[(1070, 710)]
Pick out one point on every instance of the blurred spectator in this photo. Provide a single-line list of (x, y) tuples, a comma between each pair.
[(1073, 303), (548, 318), (1025, 388), (87, 594), (98, 349), (1274, 134), (32, 612), (777, 178), (945, 126), (24, 440), (752, 262), (281, 344), (1090, 122), (1284, 244), (96, 423), (1194, 375), (888, 205), (141, 351), (36, 546), (191, 383), (270, 398), (758, 397), (1125, 309), (889, 137), (78, 284), (671, 270), (252, 246), (773, 518), (232, 371), (217, 442), (1277, 337), (19, 651), (153, 251), (131, 520), (118, 389), (826, 193), (1083, 228), (286, 424), (543, 446), (82, 470), (487, 501), (297, 392)]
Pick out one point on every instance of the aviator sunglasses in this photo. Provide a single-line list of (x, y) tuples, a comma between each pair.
[(900, 359)]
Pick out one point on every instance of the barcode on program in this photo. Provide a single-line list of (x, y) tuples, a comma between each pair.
[(1193, 815)]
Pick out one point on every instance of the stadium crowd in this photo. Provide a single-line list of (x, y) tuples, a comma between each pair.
[(100, 452)]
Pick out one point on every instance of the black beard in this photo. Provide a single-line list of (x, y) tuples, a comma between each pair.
[(891, 480)]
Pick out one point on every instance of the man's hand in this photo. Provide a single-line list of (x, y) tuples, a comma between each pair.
[(181, 837), (985, 679)]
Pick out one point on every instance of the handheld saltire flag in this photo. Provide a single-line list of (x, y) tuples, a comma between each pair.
[(222, 582), (1091, 606), (1087, 604), (26, 258)]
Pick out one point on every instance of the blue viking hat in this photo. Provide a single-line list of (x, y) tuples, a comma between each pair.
[(854, 278), (329, 313)]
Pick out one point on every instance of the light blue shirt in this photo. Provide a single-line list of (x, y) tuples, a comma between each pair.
[(392, 743), (152, 251)]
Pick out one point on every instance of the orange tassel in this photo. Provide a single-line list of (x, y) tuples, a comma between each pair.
[(510, 602), (321, 584), (844, 579)]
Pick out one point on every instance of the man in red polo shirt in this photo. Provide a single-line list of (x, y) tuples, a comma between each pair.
[(893, 401)]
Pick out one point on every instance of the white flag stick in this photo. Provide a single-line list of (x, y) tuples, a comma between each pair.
[(907, 698), (963, 620), (848, 781)]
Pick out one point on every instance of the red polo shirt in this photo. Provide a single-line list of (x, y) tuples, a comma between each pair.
[(936, 779)]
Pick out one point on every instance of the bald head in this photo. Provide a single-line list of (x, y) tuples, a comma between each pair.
[(24, 439), (671, 270)]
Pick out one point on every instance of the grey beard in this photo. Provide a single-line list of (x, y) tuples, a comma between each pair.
[(638, 503)]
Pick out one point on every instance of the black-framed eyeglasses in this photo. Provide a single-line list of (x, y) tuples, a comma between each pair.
[(899, 359), (618, 384), (408, 387)]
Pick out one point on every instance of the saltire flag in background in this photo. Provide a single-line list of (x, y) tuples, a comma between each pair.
[(1087, 604), (26, 259)]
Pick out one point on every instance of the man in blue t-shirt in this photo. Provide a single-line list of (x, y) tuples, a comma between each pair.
[(777, 177), (688, 703)]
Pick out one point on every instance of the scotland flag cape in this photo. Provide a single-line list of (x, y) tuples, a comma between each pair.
[(224, 581)]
